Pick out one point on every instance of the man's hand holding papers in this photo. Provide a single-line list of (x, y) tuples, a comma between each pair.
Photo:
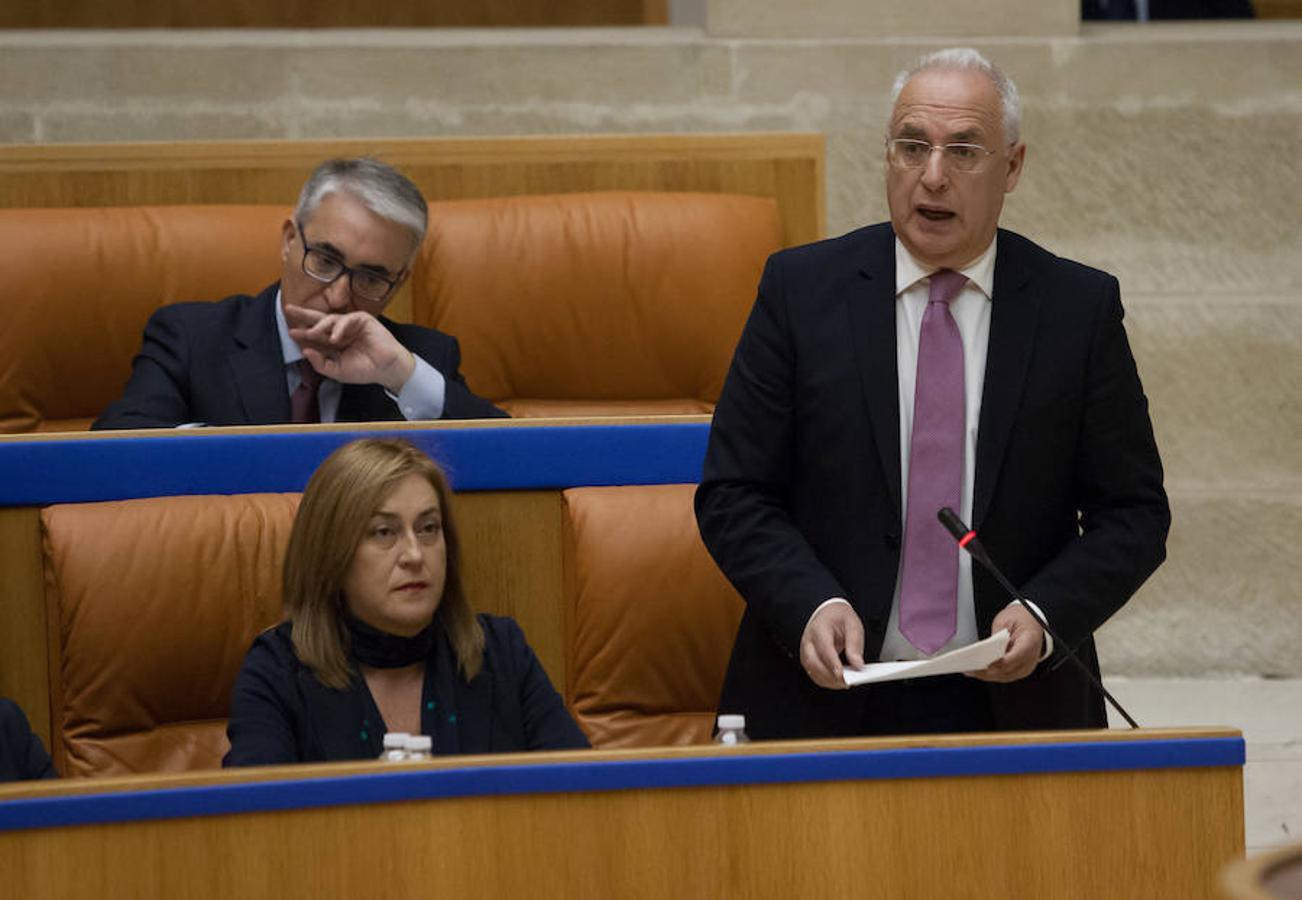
[(972, 658)]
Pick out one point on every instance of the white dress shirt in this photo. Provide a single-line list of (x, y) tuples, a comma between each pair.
[(971, 311)]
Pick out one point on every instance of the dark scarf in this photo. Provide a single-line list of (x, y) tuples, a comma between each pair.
[(382, 650)]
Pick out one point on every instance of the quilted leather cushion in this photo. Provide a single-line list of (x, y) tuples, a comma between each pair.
[(652, 618), (152, 605)]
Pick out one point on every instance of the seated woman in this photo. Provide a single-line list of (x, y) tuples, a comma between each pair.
[(380, 635)]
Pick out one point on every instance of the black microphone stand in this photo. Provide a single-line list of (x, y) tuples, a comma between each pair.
[(967, 539)]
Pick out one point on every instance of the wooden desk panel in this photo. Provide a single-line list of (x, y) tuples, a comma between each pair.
[(1111, 815), (789, 167), (24, 657)]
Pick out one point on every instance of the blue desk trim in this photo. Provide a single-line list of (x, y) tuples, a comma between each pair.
[(392, 784), (36, 473)]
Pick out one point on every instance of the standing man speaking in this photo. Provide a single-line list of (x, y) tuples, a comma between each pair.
[(931, 361)]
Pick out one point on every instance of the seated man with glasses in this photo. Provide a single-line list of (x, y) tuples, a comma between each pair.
[(313, 347)]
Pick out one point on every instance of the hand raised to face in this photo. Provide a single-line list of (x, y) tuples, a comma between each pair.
[(352, 348)]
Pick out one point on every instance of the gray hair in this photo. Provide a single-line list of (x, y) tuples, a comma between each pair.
[(382, 189), (968, 59)]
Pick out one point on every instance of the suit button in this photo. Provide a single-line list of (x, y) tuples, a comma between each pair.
[(892, 541)]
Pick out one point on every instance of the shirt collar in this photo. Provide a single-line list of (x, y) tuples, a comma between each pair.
[(289, 350), (980, 272)]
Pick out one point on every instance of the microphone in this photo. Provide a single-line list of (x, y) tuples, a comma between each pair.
[(968, 540)]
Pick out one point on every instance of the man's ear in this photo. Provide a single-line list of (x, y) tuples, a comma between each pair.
[(288, 232), (1016, 159)]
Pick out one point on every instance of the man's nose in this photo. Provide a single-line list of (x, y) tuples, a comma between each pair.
[(339, 294), (934, 174)]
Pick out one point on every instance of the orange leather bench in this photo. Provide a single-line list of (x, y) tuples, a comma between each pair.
[(152, 604), (651, 618), (571, 304), (609, 303), (84, 281)]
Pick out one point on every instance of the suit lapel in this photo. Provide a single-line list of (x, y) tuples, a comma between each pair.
[(475, 712), (462, 719), (1015, 310), (346, 724), (872, 323), (257, 365)]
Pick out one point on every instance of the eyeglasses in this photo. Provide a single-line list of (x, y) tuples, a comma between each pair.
[(908, 153), (327, 268)]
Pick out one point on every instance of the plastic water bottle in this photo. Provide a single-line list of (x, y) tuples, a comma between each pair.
[(732, 730), (395, 746), (420, 747)]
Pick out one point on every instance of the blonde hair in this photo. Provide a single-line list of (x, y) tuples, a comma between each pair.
[(340, 498)]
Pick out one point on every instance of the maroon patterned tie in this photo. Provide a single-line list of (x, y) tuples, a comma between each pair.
[(929, 580), (302, 403)]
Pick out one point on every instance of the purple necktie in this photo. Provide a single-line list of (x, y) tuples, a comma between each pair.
[(929, 581), (302, 403)]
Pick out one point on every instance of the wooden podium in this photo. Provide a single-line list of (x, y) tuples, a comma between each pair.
[(1111, 814)]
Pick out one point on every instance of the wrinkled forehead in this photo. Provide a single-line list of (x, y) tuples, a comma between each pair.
[(343, 193), (414, 494), (948, 104), (342, 217)]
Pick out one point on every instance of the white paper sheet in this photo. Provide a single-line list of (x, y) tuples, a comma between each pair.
[(965, 659)]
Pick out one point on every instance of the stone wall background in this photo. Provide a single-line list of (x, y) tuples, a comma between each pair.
[(1168, 154)]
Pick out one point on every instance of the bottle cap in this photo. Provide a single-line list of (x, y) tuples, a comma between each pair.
[(731, 722), (395, 740), (420, 743)]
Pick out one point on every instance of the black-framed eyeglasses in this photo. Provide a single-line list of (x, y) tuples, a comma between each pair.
[(911, 153), (327, 269)]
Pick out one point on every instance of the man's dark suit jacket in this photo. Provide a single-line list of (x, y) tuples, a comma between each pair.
[(22, 757), (220, 364), (800, 499), (281, 713)]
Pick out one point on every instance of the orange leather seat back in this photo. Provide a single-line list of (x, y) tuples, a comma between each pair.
[(595, 303), (81, 284), (652, 619), (152, 605), (571, 305)]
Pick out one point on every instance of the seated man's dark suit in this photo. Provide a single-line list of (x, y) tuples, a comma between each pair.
[(22, 757), (221, 364), (801, 500)]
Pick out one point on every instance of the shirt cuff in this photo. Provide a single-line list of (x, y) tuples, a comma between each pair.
[(828, 602), (423, 395), (1048, 638)]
